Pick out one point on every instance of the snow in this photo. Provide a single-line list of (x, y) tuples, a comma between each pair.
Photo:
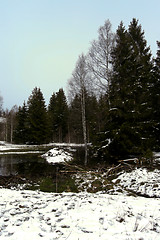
[(56, 155), (8, 146), (141, 181), (83, 216), (17, 153), (157, 156)]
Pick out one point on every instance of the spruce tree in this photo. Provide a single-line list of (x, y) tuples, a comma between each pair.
[(119, 132), (92, 117), (156, 103), (52, 117), (37, 118), (58, 115), (142, 89), (61, 115), (20, 132), (129, 126), (75, 120)]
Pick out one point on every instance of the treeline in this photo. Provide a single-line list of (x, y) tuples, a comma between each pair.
[(114, 99), (58, 122), (36, 124)]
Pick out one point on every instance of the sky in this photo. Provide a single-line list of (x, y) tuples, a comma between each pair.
[(40, 40)]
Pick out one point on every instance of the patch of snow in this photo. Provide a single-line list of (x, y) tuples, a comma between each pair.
[(141, 181), (157, 156), (56, 155), (8, 146), (66, 144), (17, 153), (50, 216)]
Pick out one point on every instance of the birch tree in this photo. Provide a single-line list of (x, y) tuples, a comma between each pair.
[(78, 85), (99, 57)]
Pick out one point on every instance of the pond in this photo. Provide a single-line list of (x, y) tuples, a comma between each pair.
[(36, 171), (28, 165)]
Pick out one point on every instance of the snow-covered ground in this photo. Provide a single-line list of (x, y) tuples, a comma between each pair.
[(141, 181), (36, 215), (84, 216)]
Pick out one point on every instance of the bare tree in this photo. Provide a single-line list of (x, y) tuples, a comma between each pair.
[(78, 85), (99, 57), (10, 121)]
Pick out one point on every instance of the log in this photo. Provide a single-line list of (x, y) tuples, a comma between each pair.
[(135, 160)]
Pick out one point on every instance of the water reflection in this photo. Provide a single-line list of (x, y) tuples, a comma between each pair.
[(31, 165), (37, 172), (7, 165), (25, 164)]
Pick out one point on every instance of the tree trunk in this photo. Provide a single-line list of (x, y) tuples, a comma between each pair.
[(84, 125), (11, 130)]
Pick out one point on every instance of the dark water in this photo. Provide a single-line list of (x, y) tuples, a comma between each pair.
[(28, 165), (37, 170), (32, 164)]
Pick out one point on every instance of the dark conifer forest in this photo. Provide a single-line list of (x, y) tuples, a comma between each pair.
[(112, 102)]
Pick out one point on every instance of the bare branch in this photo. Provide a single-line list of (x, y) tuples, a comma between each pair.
[(99, 56)]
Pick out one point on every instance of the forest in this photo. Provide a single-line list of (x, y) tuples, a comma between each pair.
[(112, 100)]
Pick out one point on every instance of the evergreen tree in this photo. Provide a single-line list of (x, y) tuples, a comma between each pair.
[(100, 139), (61, 115), (52, 117), (75, 120), (20, 132), (102, 113), (92, 118), (58, 115), (119, 131), (142, 89), (37, 118), (156, 103), (129, 126)]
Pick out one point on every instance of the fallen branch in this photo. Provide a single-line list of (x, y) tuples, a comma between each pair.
[(68, 171), (135, 160), (113, 169)]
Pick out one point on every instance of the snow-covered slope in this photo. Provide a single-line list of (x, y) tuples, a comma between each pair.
[(49, 216), (141, 181), (84, 216)]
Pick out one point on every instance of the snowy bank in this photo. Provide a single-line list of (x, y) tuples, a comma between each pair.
[(4, 146), (157, 156), (56, 155), (141, 181), (50, 216)]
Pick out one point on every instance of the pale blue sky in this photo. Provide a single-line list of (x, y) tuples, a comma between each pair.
[(40, 40)]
